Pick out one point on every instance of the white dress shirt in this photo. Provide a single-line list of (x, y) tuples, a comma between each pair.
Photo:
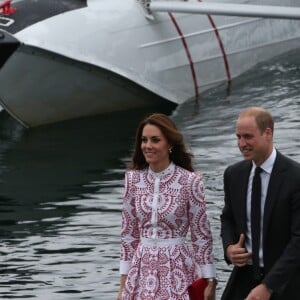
[(267, 167)]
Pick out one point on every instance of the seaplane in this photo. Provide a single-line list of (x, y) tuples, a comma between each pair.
[(61, 60)]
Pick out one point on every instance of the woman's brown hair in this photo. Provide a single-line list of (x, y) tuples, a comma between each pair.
[(179, 155)]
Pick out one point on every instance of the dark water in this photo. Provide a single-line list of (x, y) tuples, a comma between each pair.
[(61, 185)]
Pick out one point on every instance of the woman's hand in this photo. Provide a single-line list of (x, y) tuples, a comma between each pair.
[(122, 284), (210, 291)]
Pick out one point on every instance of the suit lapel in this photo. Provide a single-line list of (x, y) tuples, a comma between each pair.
[(244, 178)]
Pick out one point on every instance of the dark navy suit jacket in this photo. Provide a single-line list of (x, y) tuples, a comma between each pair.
[(281, 224)]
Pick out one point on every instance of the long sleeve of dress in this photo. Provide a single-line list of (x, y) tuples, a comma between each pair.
[(201, 236), (129, 230)]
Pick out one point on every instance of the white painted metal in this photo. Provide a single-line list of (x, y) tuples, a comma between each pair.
[(6, 22), (225, 9), (100, 58)]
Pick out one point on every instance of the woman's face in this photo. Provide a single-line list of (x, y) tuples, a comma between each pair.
[(155, 148)]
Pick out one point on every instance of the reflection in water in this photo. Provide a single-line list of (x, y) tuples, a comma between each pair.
[(210, 129), (60, 205), (61, 185)]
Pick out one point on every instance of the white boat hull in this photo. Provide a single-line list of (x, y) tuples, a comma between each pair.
[(109, 57), (63, 89)]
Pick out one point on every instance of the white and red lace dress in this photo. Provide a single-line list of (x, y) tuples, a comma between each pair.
[(158, 211)]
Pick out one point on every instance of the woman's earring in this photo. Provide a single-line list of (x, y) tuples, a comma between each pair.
[(170, 150)]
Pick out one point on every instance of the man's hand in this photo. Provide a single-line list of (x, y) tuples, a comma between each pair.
[(260, 292), (237, 253)]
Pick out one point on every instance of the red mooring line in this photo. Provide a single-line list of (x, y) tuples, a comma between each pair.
[(187, 53), (227, 68)]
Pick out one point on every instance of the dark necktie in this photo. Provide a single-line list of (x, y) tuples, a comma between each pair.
[(255, 221)]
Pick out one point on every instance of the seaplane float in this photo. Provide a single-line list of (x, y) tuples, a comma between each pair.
[(66, 59)]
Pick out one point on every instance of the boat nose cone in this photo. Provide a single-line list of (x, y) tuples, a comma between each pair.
[(8, 44)]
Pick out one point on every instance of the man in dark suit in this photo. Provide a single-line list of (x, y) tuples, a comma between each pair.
[(274, 271)]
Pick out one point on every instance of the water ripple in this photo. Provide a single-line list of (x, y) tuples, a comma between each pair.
[(62, 185)]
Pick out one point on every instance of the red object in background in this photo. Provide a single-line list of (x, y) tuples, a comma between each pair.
[(6, 9), (196, 289)]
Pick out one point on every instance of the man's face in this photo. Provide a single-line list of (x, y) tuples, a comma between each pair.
[(253, 144)]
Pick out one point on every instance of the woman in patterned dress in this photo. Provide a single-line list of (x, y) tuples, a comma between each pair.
[(163, 199)]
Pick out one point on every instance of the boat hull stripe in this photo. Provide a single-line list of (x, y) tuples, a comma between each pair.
[(187, 51), (227, 69)]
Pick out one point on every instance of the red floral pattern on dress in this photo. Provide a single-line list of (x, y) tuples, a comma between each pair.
[(164, 206)]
